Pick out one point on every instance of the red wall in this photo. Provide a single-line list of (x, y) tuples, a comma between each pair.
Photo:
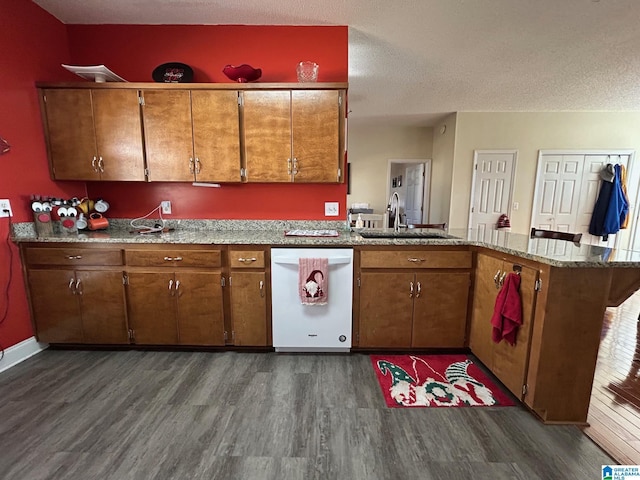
[(33, 45), (133, 51)]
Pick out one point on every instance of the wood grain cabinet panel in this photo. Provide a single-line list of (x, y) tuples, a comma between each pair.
[(293, 136), (250, 296), (174, 258), (199, 308), (401, 305), (93, 134), (72, 256), (83, 306), (508, 362)]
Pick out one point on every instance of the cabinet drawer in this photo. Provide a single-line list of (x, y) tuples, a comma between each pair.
[(72, 256), (173, 258), (415, 259), (246, 258)]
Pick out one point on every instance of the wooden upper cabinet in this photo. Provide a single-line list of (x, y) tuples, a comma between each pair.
[(216, 135), (94, 134), (293, 135), (118, 130), (168, 135), (315, 127), (70, 134), (267, 135)]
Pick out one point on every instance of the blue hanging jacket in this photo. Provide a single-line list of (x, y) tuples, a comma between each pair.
[(618, 207)]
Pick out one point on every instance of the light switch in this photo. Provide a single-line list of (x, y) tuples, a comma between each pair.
[(331, 209), (516, 206)]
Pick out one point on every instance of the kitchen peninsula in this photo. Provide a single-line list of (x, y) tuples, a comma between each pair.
[(565, 289)]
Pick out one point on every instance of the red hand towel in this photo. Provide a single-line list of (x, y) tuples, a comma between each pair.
[(313, 280), (507, 314)]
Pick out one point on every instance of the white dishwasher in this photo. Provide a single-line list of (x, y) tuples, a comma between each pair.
[(311, 328)]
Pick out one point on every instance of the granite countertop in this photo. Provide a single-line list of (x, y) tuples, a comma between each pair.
[(261, 232)]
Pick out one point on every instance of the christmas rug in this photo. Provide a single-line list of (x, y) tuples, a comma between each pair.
[(435, 381)]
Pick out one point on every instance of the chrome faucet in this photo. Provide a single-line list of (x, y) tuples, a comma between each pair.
[(394, 202)]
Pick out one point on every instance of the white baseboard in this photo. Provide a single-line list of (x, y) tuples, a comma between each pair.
[(20, 352)]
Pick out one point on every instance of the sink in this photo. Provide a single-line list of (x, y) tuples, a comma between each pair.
[(402, 234)]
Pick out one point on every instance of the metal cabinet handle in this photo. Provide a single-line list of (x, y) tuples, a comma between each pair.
[(172, 259), (261, 289), (177, 287), (93, 164), (504, 274), (247, 260), (496, 277), (295, 165), (101, 165), (410, 289), (415, 260), (71, 282), (170, 288), (191, 165), (74, 257), (419, 289), (197, 165), (78, 287), (288, 166)]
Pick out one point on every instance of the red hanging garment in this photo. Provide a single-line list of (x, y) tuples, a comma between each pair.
[(507, 313)]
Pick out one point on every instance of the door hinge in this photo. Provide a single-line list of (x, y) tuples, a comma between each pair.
[(225, 336), (538, 285), (132, 335), (240, 100), (339, 174), (243, 172), (340, 100), (473, 209), (146, 172), (140, 99), (223, 282), (524, 389), (125, 280), (358, 282), (475, 166), (229, 280), (233, 335)]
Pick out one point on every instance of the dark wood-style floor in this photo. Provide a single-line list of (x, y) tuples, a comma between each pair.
[(196, 415), (614, 413)]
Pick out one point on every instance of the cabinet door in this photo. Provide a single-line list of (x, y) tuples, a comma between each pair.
[(484, 299), (386, 309), (103, 308), (118, 130), (315, 120), (249, 308), (510, 363), (55, 306), (200, 311), (216, 135), (152, 308), (168, 135), (70, 134), (440, 309), (267, 135)]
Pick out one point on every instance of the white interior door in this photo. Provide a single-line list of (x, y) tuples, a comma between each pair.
[(567, 187), (491, 190), (415, 193)]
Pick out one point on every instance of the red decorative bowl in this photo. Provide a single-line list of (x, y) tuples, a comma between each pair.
[(242, 73)]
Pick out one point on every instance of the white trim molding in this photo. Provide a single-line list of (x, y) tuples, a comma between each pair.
[(20, 352)]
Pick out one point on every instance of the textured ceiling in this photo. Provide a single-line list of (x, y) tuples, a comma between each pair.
[(413, 61)]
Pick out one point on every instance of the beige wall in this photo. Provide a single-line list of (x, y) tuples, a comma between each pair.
[(442, 169), (371, 148), (528, 133)]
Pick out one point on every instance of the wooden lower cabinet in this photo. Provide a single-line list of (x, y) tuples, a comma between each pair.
[(175, 308), (413, 298), (78, 306), (249, 296), (507, 362)]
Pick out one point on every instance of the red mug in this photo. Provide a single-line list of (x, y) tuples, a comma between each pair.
[(97, 222)]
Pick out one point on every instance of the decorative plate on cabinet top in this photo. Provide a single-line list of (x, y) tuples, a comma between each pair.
[(173, 72), (242, 73)]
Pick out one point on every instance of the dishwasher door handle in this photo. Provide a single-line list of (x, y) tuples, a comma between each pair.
[(295, 261)]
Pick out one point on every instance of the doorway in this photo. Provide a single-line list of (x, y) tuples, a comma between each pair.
[(491, 190), (411, 180)]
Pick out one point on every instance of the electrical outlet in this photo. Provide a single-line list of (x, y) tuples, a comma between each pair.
[(331, 209), (5, 205), (166, 207)]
